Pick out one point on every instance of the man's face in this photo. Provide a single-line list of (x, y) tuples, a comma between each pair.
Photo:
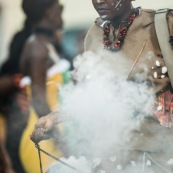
[(110, 9)]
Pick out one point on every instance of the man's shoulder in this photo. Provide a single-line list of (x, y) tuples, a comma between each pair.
[(145, 18), (152, 11), (148, 13), (93, 35), (98, 22), (96, 26), (149, 10)]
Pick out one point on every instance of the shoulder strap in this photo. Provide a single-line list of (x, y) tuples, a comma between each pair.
[(163, 36)]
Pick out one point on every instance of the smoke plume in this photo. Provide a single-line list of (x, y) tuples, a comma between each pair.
[(103, 109)]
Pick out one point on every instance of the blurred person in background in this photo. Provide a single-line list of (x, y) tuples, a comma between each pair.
[(13, 101), (5, 161), (39, 53), (44, 72), (130, 32), (44, 22)]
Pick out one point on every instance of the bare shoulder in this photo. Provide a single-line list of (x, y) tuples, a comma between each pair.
[(34, 52), (35, 47)]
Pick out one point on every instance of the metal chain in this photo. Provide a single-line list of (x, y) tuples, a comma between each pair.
[(39, 155), (156, 163), (53, 157), (71, 167)]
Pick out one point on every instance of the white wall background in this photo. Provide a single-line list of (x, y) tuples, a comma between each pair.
[(154, 4), (77, 13), (11, 19)]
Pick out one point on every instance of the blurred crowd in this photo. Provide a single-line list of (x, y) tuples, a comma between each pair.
[(38, 63)]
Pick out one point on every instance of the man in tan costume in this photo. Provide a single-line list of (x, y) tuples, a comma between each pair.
[(125, 30)]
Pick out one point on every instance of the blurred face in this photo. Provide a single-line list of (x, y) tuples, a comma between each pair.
[(111, 9), (55, 15)]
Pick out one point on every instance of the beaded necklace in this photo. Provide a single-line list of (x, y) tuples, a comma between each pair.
[(118, 40)]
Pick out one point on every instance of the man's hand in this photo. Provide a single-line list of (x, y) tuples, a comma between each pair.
[(44, 127)]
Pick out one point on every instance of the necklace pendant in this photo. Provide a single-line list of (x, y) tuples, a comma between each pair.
[(115, 48)]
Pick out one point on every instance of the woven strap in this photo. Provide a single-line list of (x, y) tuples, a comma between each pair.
[(163, 36)]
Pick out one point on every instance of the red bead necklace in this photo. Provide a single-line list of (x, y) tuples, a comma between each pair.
[(119, 39)]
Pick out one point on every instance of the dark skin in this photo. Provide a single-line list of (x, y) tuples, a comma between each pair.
[(32, 61), (45, 127), (113, 10), (5, 163), (6, 84), (35, 63)]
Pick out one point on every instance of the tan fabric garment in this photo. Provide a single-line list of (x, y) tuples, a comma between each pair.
[(141, 46)]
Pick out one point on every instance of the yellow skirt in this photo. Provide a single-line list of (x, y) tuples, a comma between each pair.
[(2, 128), (28, 152)]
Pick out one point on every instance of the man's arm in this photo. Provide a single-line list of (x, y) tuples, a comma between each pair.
[(38, 73)]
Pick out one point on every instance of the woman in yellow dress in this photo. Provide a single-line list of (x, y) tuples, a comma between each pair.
[(44, 72)]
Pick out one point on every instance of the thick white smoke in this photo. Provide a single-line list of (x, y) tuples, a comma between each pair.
[(103, 109)]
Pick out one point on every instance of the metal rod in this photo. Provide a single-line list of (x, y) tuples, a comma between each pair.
[(53, 157)]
